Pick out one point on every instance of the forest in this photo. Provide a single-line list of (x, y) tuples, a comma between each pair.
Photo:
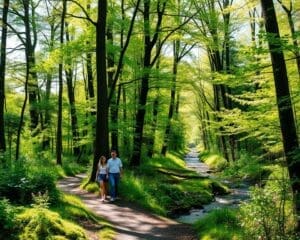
[(153, 80)]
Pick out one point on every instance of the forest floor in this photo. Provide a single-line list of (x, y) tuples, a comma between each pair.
[(129, 221)]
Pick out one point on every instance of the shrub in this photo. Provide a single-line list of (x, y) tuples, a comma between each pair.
[(214, 161), (7, 215), (17, 184), (269, 214), (41, 224), (219, 224)]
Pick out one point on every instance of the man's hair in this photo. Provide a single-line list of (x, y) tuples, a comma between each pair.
[(113, 150)]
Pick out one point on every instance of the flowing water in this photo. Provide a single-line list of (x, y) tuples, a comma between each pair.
[(237, 194)]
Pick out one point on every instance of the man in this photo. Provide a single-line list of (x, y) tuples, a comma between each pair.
[(114, 165)]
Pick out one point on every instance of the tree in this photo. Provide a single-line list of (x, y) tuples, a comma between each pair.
[(101, 146), (28, 17), (284, 104), (289, 12), (60, 88), (71, 95), (147, 65), (2, 73)]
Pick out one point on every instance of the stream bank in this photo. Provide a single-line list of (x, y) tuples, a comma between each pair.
[(237, 195)]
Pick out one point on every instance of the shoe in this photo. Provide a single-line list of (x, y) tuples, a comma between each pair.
[(112, 200), (102, 200)]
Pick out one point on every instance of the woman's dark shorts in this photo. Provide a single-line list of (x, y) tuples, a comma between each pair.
[(102, 177)]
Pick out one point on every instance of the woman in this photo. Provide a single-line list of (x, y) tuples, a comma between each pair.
[(102, 177)]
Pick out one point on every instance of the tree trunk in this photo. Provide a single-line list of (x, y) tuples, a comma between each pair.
[(284, 104), (2, 74), (71, 96), (113, 103), (141, 111), (60, 90), (147, 65), (293, 32), (126, 140), (151, 138), (101, 146), (30, 58), (176, 45)]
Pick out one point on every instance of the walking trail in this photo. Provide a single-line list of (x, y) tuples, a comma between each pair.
[(129, 221)]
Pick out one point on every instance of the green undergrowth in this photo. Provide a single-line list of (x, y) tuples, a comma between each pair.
[(268, 214), (215, 161), (165, 186), (67, 219), (72, 208), (58, 216), (220, 224), (245, 168)]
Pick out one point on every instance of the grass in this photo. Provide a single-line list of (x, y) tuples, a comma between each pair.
[(213, 160), (220, 224), (72, 208)]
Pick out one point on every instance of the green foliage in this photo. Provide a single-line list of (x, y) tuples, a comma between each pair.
[(18, 183), (269, 214), (213, 160), (219, 224), (247, 167), (40, 223), (7, 215), (177, 136)]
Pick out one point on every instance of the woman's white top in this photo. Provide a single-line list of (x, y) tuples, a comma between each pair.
[(102, 169)]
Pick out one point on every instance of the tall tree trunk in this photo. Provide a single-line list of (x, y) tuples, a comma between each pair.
[(30, 57), (47, 121), (172, 97), (89, 67), (101, 146), (148, 46), (60, 89), (286, 117), (153, 125), (140, 116), (2, 73), (113, 102), (71, 96), (126, 140)]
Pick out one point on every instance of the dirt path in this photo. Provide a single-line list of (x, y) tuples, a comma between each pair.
[(130, 222)]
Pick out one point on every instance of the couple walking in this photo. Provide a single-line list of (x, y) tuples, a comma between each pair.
[(110, 171)]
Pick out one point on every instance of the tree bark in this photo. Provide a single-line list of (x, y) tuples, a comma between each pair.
[(147, 65), (2, 74), (71, 96), (30, 58), (113, 103), (283, 96), (176, 45), (101, 146), (60, 89)]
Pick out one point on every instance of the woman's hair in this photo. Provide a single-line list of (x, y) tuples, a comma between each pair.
[(102, 158)]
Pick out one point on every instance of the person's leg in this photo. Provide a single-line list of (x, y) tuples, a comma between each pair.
[(102, 189), (117, 180), (112, 185), (106, 188)]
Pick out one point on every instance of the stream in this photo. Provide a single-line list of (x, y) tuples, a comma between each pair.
[(237, 194)]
